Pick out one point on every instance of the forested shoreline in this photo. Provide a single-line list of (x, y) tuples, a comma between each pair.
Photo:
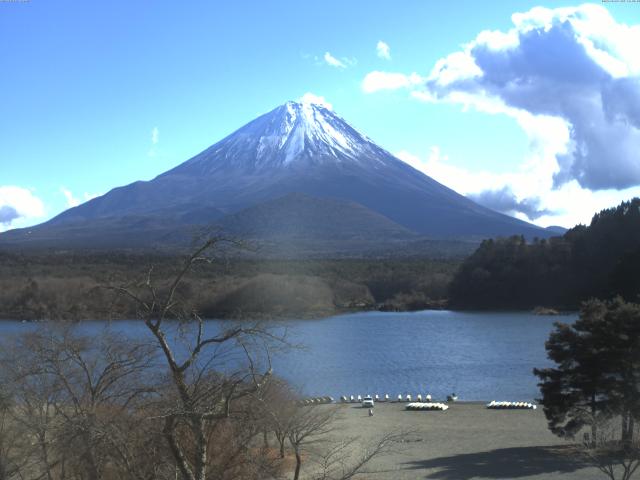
[(596, 261), (75, 286)]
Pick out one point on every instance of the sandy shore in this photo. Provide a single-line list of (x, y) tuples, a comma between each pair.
[(467, 441)]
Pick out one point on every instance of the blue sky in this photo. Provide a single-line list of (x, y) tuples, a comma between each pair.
[(99, 94)]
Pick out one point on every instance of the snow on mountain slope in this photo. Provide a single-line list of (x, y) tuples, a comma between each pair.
[(292, 135), (297, 148)]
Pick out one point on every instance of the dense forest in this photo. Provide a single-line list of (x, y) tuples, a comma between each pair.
[(600, 260), (76, 285)]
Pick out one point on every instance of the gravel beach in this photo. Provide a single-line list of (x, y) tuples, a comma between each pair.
[(468, 441)]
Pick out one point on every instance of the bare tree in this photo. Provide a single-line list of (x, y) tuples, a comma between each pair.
[(210, 373), (14, 450), (74, 395), (615, 457), (191, 401), (307, 427), (35, 398), (278, 407), (347, 458), (311, 434)]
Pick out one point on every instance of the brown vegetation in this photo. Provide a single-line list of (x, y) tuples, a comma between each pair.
[(70, 286), (182, 402)]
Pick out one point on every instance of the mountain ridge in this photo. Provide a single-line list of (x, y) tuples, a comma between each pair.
[(295, 148)]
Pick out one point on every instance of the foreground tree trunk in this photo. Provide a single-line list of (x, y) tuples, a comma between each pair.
[(296, 474), (594, 423), (201, 447)]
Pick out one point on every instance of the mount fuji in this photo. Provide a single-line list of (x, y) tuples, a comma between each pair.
[(298, 175)]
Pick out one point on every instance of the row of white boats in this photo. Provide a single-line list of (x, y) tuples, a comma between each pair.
[(420, 403), (386, 398), (492, 405), (315, 400), (427, 406), (511, 405)]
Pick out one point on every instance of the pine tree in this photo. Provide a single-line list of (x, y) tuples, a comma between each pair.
[(597, 371)]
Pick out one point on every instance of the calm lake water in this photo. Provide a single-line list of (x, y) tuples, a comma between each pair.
[(480, 356)]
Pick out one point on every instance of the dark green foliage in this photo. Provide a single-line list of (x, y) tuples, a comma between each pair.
[(597, 373), (601, 260)]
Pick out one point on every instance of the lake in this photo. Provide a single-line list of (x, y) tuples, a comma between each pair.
[(478, 355)]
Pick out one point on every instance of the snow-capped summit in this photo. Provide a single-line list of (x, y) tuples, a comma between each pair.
[(293, 134)]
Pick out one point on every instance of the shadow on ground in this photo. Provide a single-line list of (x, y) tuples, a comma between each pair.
[(501, 463)]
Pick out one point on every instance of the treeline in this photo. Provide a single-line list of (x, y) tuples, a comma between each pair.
[(76, 285), (596, 261)]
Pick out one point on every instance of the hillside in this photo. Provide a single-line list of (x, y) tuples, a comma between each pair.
[(240, 182), (600, 260)]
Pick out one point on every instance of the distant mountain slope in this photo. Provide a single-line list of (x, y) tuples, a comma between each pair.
[(296, 148), (556, 229), (297, 215)]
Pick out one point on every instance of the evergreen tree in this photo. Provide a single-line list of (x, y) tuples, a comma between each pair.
[(597, 371), (601, 260)]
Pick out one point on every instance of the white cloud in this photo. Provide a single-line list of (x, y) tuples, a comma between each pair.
[(505, 201), (437, 166), (155, 138), (73, 201), (570, 78), (455, 67), (567, 206), (315, 99), (333, 61), (18, 205), (383, 50), (573, 65), (376, 80)]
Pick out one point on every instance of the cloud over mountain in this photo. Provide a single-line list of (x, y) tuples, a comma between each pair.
[(504, 200), (17, 203), (312, 98), (570, 78), (8, 214), (575, 64)]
